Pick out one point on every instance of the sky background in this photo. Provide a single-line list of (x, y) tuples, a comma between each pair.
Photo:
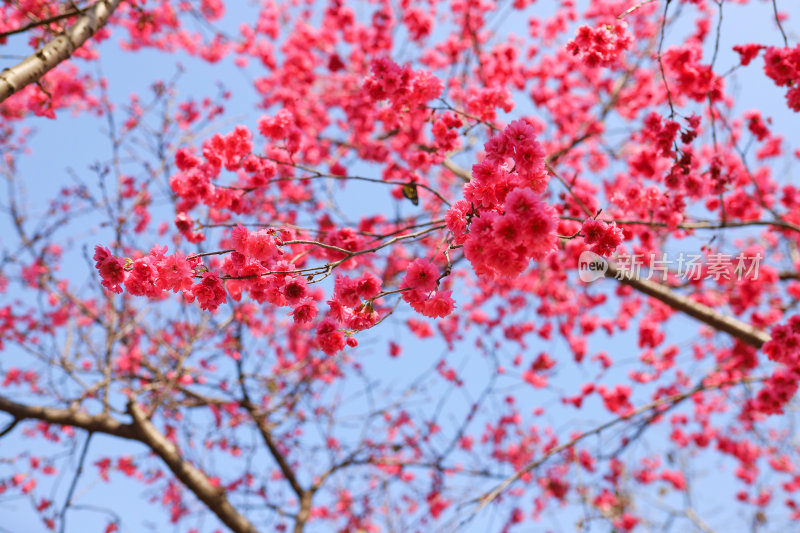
[(69, 146)]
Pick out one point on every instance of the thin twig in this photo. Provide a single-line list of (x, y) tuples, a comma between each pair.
[(778, 22), (487, 498), (42, 22), (71, 492)]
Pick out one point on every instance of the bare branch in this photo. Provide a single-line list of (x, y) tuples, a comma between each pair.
[(11, 425), (74, 484), (462, 173), (733, 326), (43, 22), (94, 423), (194, 479), (668, 401), (144, 431), (35, 66), (305, 496), (778, 22)]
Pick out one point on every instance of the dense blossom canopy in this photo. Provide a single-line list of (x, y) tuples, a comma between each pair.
[(373, 302)]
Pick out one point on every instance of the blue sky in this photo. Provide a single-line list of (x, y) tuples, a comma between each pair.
[(71, 144)]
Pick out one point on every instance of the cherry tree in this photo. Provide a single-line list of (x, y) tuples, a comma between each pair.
[(470, 265)]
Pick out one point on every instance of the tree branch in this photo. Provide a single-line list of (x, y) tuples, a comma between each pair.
[(733, 326), (35, 66), (11, 425), (194, 479), (71, 493), (670, 401), (141, 430), (42, 22), (304, 496), (66, 417), (462, 173)]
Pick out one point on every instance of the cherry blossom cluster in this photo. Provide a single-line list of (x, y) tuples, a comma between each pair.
[(502, 220), (257, 264), (781, 386), (421, 281), (402, 86), (689, 76), (748, 52), (603, 237), (785, 344), (157, 273), (782, 65), (281, 126), (601, 46)]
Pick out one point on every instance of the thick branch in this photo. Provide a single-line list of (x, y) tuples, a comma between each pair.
[(51, 415), (195, 480), (34, 67), (462, 173), (778, 223), (144, 431), (735, 327)]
